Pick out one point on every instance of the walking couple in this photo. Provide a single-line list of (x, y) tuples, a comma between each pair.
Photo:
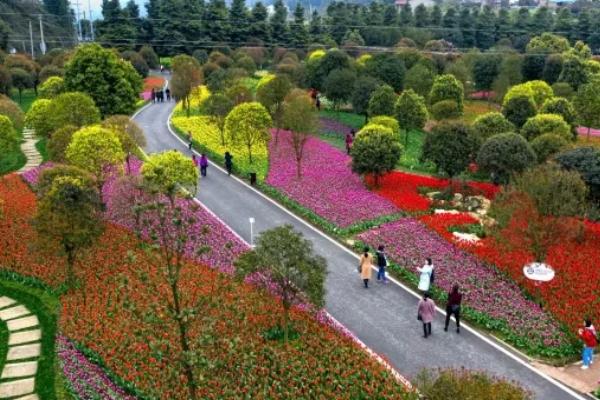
[(366, 263)]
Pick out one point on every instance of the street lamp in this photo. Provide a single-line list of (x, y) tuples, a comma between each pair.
[(251, 220)]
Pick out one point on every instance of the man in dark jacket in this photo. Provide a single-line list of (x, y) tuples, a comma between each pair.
[(381, 264)]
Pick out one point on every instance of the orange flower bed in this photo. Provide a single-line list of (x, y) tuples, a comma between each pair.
[(119, 312), (153, 82)]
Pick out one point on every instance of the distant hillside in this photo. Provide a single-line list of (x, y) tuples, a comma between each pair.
[(16, 14)]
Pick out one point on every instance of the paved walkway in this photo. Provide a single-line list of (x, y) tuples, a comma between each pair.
[(24, 348), (384, 316), (34, 158)]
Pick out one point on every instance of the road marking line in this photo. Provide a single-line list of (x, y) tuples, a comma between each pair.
[(407, 289)]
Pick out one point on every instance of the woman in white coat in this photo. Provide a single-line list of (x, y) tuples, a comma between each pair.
[(425, 277)]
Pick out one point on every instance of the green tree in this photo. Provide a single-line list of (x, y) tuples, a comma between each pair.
[(574, 72), (248, 125), (504, 155), (148, 54), (291, 264), (552, 68), (259, 27), (59, 141), (69, 215), (187, 75), (21, 79), (375, 151), (238, 21), (587, 104), (11, 110), (278, 24), (168, 173), (490, 124), (93, 149), (128, 131), (485, 70), (518, 109), (382, 101), (51, 88), (301, 119), (586, 161), (61, 111), (420, 79), (451, 146), (547, 145), (533, 66), (564, 108), (218, 106), (272, 95), (421, 16), (388, 68), (299, 33), (447, 87), (216, 21), (37, 118), (486, 24), (338, 86), (8, 136), (411, 112), (388, 122), (547, 43), (112, 83), (5, 80), (546, 123), (363, 90)]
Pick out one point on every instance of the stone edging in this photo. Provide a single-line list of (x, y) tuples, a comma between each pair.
[(24, 349)]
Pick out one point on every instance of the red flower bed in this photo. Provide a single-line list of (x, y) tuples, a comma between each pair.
[(153, 82), (570, 296), (401, 188)]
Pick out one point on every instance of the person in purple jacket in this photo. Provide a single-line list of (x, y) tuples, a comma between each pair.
[(203, 164)]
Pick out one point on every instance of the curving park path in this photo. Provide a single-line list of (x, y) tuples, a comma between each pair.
[(383, 317)]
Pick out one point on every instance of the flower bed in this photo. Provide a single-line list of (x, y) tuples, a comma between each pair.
[(150, 83), (119, 313), (401, 188), (206, 137), (328, 186), (496, 302), (571, 295)]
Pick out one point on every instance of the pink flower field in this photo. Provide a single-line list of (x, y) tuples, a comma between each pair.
[(328, 186)]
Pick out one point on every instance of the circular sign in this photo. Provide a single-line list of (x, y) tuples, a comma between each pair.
[(538, 272)]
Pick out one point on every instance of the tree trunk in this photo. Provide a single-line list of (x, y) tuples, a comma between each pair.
[(185, 347), (286, 324), (250, 153), (299, 167)]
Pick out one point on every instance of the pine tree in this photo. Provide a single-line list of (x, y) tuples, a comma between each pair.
[(564, 23), (278, 24), (504, 24), (216, 22), (486, 32), (406, 15), (259, 28), (299, 34), (238, 21), (116, 28), (421, 16), (390, 15), (436, 16), (57, 7), (452, 32), (467, 27), (583, 26), (315, 27), (541, 21)]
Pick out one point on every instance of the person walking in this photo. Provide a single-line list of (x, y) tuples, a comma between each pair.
[(425, 313), (196, 161), (189, 139), (453, 307), (381, 264), (353, 133), (318, 103), (349, 140), (228, 162), (153, 95), (168, 93), (365, 267), (203, 164), (425, 276), (588, 336)]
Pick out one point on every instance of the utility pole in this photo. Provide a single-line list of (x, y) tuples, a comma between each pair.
[(43, 42), (31, 39), (91, 20), (78, 21)]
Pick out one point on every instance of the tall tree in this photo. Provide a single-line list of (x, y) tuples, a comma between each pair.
[(375, 151), (187, 75), (278, 24), (486, 32), (238, 21), (247, 125), (315, 27), (466, 23), (406, 15), (216, 21), (259, 27), (299, 34), (436, 16), (301, 119), (421, 16)]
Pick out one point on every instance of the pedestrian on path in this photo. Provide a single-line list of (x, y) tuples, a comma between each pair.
[(587, 335), (365, 267), (425, 278), (168, 93), (196, 161), (189, 139), (318, 103), (425, 313), (381, 264), (453, 307), (228, 162), (203, 164), (349, 140), (353, 133), (153, 95)]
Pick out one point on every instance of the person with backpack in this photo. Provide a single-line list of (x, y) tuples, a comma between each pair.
[(365, 267), (381, 264), (453, 307), (425, 313), (588, 336), (426, 276)]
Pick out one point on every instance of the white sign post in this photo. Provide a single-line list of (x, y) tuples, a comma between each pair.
[(251, 219), (538, 272)]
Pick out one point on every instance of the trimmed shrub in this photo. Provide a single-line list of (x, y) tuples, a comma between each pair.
[(450, 146), (38, 117), (518, 109), (447, 87), (546, 123), (586, 161), (388, 122), (445, 109), (564, 108), (10, 109), (505, 154), (547, 145), (563, 89), (62, 111), (59, 141), (51, 88), (490, 124), (8, 136)]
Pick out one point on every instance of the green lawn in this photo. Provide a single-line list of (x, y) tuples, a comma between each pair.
[(3, 344), (353, 120), (40, 145), (46, 306), (27, 98), (12, 159), (411, 156)]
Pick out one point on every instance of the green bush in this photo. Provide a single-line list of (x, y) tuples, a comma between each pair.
[(382, 101), (518, 109), (563, 89), (464, 384), (51, 88), (586, 161), (12, 111), (564, 108), (490, 124), (447, 87), (38, 118), (546, 123), (537, 91), (375, 151), (8, 136), (388, 122), (59, 141), (548, 144), (450, 146), (62, 111), (505, 154), (445, 109)]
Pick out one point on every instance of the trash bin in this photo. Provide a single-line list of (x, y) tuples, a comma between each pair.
[(253, 178)]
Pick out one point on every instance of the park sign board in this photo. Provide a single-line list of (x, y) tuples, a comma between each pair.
[(538, 272)]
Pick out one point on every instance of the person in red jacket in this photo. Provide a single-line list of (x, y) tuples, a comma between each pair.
[(349, 140), (588, 336)]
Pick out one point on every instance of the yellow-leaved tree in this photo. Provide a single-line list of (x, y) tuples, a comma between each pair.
[(248, 125)]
